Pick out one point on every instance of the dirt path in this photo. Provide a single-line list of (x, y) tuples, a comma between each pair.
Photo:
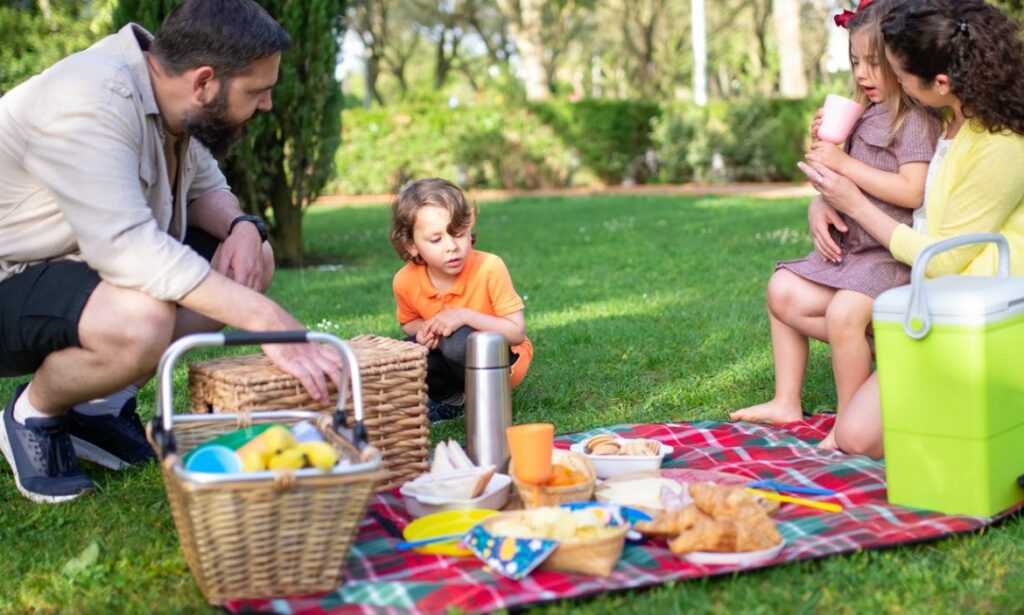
[(760, 190)]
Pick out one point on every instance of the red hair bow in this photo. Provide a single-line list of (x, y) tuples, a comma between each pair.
[(844, 18)]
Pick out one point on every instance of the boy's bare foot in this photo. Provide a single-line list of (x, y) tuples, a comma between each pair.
[(772, 413), (828, 443)]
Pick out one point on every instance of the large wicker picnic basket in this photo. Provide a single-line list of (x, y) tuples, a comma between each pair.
[(393, 375), (269, 533)]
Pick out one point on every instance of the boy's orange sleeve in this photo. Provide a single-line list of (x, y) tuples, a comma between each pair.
[(504, 299), (403, 287)]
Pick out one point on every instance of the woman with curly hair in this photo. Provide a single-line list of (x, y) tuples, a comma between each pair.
[(964, 58)]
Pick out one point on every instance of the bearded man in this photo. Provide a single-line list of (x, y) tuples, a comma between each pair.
[(119, 234)]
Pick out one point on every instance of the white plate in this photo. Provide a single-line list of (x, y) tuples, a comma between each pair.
[(494, 497), (741, 558), (607, 466)]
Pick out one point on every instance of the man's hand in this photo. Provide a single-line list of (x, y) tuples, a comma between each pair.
[(308, 363), (819, 218), (240, 256)]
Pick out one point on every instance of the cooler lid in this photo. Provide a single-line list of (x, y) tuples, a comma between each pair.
[(958, 299)]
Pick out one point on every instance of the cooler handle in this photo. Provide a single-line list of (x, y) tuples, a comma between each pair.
[(918, 321), (163, 421)]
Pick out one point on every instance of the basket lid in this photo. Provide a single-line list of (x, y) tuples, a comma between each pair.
[(957, 299)]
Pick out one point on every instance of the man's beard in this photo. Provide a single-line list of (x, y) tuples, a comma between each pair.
[(211, 126)]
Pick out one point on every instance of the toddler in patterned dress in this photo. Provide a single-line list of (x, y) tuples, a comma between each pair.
[(829, 294)]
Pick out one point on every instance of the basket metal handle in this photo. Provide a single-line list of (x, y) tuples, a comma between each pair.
[(918, 321), (163, 421)]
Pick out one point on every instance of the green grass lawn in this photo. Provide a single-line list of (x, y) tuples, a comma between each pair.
[(641, 309)]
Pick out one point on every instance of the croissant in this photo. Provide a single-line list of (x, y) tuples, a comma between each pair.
[(727, 536), (668, 524), (722, 502)]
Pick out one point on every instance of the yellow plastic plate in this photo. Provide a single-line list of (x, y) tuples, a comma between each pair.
[(439, 524)]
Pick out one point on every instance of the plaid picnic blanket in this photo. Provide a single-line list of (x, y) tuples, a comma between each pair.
[(381, 580)]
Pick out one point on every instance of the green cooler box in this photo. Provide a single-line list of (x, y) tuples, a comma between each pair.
[(950, 357)]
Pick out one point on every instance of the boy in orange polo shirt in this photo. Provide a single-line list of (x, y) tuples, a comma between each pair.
[(447, 290)]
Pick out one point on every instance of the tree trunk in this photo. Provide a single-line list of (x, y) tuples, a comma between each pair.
[(792, 80), (525, 27), (287, 231), (700, 53)]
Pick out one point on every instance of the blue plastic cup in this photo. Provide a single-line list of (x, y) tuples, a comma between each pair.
[(214, 459)]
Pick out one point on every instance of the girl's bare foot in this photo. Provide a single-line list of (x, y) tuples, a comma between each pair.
[(772, 413), (828, 443)]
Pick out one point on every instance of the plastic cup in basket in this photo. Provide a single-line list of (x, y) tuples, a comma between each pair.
[(572, 480), (586, 540)]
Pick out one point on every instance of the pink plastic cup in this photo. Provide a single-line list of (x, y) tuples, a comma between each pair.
[(838, 117)]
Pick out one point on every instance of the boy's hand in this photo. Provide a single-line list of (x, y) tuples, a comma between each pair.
[(425, 338), (828, 154), (446, 322)]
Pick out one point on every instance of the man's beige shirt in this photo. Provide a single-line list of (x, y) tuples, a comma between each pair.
[(83, 174)]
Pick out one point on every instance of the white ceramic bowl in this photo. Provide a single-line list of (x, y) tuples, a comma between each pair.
[(614, 465), (494, 497)]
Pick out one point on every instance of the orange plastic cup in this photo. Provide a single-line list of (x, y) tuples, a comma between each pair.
[(530, 446)]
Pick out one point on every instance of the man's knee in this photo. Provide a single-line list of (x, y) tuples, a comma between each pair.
[(137, 327)]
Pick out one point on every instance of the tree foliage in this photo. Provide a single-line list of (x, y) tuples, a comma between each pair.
[(288, 155), (37, 35)]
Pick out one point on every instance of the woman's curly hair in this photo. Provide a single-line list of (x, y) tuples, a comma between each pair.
[(973, 43)]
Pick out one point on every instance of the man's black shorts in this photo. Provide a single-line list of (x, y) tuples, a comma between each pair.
[(41, 306)]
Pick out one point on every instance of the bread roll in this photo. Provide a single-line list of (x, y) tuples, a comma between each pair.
[(453, 485)]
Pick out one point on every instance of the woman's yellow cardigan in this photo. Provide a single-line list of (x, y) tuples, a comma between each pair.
[(978, 187)]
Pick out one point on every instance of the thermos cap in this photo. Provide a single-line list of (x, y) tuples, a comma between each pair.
[(486, 350)]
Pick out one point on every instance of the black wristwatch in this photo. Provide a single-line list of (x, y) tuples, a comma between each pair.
[(258, 221)]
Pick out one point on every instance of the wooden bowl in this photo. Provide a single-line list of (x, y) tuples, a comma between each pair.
[(596, 556), (543, 495)]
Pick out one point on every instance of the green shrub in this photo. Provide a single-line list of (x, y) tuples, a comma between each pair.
[(558, 144), (478, 147), (610, 135), (688, 142), (766, 139)]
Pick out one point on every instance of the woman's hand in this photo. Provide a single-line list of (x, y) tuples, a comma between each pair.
[(819, 218), (839, 192), (828, 154)]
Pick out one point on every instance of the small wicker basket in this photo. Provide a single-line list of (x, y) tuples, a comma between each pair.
[(543, 495), (393, 375), (595, 557)]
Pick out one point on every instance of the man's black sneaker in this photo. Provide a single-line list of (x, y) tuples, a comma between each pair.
[(42, 458), (114, 441), (440, 411)]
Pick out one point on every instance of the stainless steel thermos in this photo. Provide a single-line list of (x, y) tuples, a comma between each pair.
[(488, 399)]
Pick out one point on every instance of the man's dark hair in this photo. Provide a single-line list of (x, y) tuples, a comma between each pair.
[(227, 35)]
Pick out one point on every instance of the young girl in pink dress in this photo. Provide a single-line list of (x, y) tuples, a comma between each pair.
[(829, 294)]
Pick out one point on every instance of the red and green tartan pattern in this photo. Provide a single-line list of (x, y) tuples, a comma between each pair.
[(381, 580)]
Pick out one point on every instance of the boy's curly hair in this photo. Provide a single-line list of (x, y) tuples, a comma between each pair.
[(972, 42), (434, 192)]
